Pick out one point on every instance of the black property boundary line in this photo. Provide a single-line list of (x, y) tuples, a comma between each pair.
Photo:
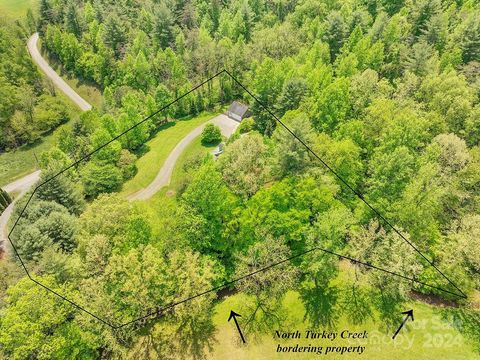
[(359, 195), (167, 307), (160, 310)]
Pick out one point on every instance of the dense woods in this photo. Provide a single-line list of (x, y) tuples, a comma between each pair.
[(386, 93)]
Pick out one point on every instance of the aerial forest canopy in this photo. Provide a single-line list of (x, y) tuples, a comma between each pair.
[(28, 106), (384, 92)]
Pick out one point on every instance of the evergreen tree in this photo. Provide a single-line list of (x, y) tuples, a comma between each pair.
[(470, 38), (45, 15), (62, 190), (335, 33), (292, 93), (72, 20), (163, 25), (114, 34)]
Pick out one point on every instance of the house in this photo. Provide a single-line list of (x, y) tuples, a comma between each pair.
[(238, 111)]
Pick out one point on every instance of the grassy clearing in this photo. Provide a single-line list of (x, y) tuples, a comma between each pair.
[(90, 93), (195, 148), (16, 9), (20, 162), (15, 164), (158, 150), (160, 207), (427, 338)]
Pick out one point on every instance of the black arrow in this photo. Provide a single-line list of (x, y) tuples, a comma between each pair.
[(234, 315), (409, 313)]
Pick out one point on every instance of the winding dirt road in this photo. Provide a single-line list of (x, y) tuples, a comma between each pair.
[(21, 186), (57, 80)]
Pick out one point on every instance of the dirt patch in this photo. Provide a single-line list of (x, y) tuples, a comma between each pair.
[(226, 292), (433, 300), (170, 193)]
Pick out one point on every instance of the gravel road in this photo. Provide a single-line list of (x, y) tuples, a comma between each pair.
[(20, 187), (57, 80)]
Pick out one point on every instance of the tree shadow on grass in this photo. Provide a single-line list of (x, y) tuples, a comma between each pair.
[(195, 337), (466, 321), (164, 126), (142, 150)]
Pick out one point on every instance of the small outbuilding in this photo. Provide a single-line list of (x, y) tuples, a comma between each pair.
[(238, 111)]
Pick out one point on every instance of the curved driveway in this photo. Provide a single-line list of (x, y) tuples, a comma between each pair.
[(21, 186), (226, 125)]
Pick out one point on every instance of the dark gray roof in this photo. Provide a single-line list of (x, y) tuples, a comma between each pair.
[(238, 108)]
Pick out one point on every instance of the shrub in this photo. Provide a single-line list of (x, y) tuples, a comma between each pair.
[(126, 163), (49, 113), (211, 134), (98, 178), (246, 125)]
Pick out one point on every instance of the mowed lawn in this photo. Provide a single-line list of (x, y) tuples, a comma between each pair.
[(161, 205), (427, 338), (16, 9), (194, 149), (158, 208), (20, 162), (159, 147)]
